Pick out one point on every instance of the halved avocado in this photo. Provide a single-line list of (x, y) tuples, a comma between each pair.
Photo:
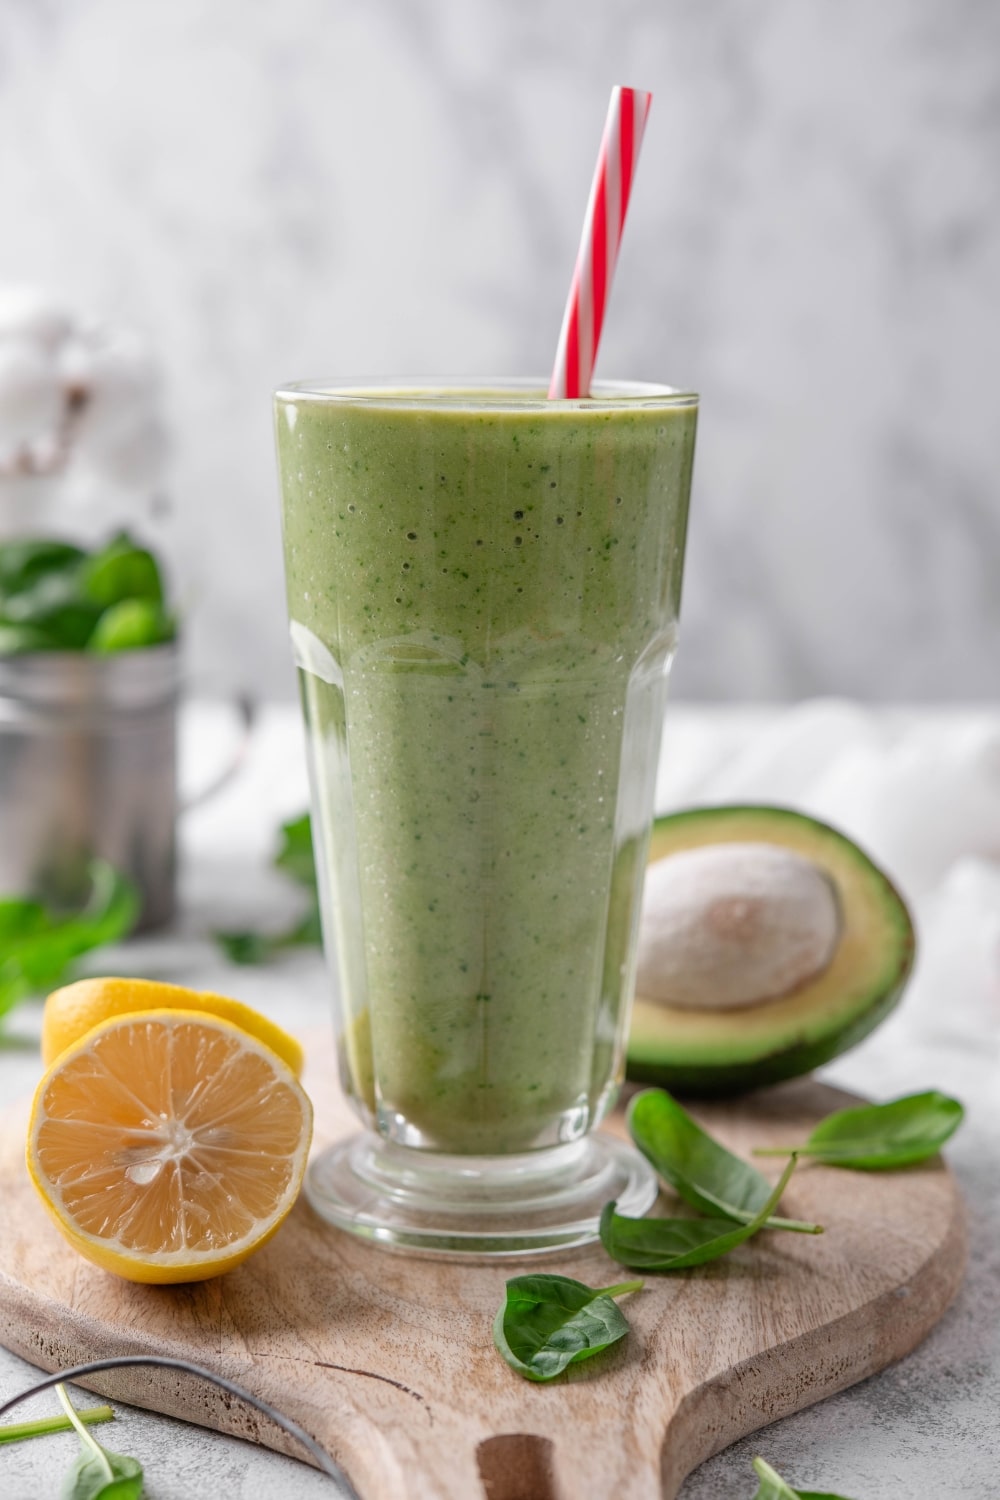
[(721, 1052)]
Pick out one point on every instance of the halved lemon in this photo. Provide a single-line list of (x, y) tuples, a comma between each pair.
[(168, 1145), (77, 1008)]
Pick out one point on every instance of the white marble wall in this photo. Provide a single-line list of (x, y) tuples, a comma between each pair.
[(281, 188)]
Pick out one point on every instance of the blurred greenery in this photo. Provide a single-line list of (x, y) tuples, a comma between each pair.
[(55, 596), (122, 571), (129, 625), (295, 859), (40, 944), (21, 562)]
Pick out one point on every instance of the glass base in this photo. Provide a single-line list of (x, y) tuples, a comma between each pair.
[(482, 1206)]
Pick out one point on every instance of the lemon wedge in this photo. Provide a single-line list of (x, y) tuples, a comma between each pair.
[(77, 1008)]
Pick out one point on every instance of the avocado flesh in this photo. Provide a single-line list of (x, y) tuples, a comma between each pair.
[(731, 1051)]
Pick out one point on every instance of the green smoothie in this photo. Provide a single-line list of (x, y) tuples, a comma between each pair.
[(483, 589)]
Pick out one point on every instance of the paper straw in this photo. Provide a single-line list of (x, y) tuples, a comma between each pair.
[(602, 232)]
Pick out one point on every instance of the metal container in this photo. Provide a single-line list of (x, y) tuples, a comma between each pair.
[(88, 766)]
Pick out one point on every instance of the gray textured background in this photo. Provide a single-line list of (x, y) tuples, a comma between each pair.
[(310, 187)]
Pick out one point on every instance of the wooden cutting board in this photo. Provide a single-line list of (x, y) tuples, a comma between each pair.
[(388, 1360)]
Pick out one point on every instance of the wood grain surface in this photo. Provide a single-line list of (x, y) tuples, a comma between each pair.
[(388, 1360)]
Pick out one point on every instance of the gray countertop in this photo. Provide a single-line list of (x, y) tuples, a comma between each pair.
[(926, 1426)]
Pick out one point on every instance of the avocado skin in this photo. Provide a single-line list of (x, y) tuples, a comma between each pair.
[(721, 1080), (715, 1079)]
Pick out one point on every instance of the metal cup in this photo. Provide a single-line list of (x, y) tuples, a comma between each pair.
[(88, 766)]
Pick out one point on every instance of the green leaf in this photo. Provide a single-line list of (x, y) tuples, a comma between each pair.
[(122, 571), (20, 918), (295, 856), (698, 1168), (549, 1322), (38, 956), (295, 859), (88, 1478), (20, 640), (246, 947), (54, 597), (131, 625), (773, 1487), (23, 562), (309, 931), (676, 1244), (97, 1474), (877, 1137), (55, 605)]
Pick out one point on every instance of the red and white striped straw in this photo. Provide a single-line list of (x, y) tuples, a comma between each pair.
[(602, 233)]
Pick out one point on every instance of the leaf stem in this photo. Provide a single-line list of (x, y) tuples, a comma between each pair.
[(13, 1432), (783, 1180), (621, 1289), (777, 1150), (799, 1225), (85, 1437)]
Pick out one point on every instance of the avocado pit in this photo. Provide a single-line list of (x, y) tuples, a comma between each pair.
[(732, 925), (716, 1051)]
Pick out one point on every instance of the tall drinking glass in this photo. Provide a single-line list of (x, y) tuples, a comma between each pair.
[(483, 588)]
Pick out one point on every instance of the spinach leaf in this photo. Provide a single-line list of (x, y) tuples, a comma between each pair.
[(259, 947), (55, 605), (549, 1322), (698, 1168), (295, 856), (97, 1474), (20, 918), (120, 571), (130, 625), (246, 947), (112, 1476), (22, 562), (56, 597), (675, 1244), (295, 859), (876, 1137), (773, 1487), (38, 946), (309, 930), (18, 640)]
